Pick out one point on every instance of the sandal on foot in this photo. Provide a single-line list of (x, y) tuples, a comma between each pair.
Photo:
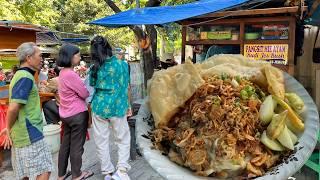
[(86, 175), (66, 175)]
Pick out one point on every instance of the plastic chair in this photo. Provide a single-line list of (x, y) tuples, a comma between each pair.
[(314, 160)]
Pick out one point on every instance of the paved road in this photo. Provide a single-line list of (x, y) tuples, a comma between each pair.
[(140, 170)]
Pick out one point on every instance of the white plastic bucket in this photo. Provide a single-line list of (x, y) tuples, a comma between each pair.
[(51, 134)]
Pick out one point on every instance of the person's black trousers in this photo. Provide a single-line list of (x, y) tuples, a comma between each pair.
[(51, 112), (74, 137)]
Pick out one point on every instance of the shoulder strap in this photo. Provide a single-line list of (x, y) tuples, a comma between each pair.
[(317, 35)]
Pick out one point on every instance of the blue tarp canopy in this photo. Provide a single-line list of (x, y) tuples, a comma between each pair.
[(315, 17), (74, 40), (165, 14)]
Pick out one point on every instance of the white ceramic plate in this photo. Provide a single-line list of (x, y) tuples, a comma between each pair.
[(307, 141)]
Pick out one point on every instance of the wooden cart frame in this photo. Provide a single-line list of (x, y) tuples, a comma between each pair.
[(242, 18)]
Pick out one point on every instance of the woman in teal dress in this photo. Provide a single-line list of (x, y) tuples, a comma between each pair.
[(110, 104)]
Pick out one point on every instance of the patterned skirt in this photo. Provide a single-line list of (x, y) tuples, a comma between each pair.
[(32, 160)]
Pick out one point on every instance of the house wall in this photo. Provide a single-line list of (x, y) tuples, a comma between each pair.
[(12, 38)]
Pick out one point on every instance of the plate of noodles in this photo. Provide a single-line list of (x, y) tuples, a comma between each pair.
[(226, 118)]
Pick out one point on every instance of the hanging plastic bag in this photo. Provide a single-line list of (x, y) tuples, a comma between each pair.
[(3, 123)]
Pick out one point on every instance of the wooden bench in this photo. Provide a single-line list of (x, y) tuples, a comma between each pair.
[(2, 88)]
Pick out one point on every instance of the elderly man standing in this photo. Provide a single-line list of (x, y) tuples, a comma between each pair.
[(31, 157)]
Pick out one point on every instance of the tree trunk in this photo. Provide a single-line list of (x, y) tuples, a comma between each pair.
[(137, 30), (152, 33), (153, 3), (147, 65), (150, 57)]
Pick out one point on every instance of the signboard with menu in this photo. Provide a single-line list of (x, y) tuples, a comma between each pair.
[(274, 53)]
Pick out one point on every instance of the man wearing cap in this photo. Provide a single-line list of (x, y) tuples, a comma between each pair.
[(31, 157)]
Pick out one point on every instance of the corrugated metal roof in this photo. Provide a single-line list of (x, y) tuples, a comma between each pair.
[(22, 25), (7, 51), (47, 38), (49, 50)]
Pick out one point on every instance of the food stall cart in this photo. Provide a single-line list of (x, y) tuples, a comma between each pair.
[(259, 34)]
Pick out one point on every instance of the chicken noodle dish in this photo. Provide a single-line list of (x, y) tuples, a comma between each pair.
[(230, 118)]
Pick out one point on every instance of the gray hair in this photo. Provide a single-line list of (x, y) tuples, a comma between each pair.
[(24, 50)]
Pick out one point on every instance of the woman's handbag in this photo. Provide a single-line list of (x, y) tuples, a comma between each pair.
[(316, 51)]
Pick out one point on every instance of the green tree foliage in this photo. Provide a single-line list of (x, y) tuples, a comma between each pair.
[(119, 37), (72, 16), (67, 16), (172, 32), (9, 11), (76, 13), (176, 2), (41, 12)]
